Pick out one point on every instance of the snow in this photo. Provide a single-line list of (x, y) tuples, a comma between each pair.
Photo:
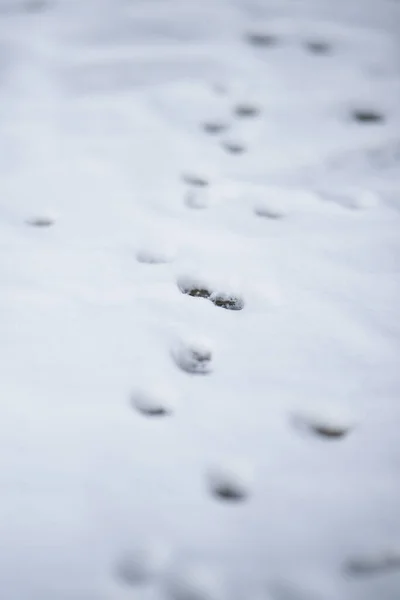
[(128, 178)]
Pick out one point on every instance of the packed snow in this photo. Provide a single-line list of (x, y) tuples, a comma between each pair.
[(200, 235)]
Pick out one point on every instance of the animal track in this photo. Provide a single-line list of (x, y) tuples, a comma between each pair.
[(234, 147), (199, 289), (330, 423), (194, 288), (153, 403), (246, 111), (194, 358), (367, 116), (268, 210), (230, 483), (261, 40), (40, 221), (227, 301), (318, 46), (214, 127), (195, 180)]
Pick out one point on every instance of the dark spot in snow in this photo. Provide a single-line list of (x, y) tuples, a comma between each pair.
[(40, 222), (330, 431), (234, 147), (246, 111), (268, 212), (214, 127), (261, 40), (318, 46), (198, 293), (194, 180), (324, 427), (367, 116), (229, 493)]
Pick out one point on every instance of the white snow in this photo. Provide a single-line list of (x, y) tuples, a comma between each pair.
[(114, 196)]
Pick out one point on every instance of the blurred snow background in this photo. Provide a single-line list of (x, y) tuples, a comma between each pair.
[(199, 323)]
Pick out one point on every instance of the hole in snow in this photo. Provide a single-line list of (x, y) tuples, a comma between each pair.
[(193, 288), (194, 358), (152, 403), (261, 40), (234, 147), (367, 116), (198, 289), (230, 483), (214, 127), (227, 301), (331, 423), (318, 46), (40, 221), (245, 111), (195, 180), (269, 211)]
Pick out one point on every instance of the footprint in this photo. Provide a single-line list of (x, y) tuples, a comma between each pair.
[(233, 147), (330, 423), (40, 221), (194, 583), (246, 111), (195, 180), (193, 287), (374, 564), (153, 402), (269, 210), (227, 301), (318, 46), (143, 563), (199, 289), (214, 127), (261, 40), (367, 116), (231, 483), (193, 357)]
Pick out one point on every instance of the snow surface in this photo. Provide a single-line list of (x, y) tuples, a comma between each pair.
[(106, 150)]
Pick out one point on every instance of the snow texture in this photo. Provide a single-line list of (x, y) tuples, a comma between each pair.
[(162, 162)]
